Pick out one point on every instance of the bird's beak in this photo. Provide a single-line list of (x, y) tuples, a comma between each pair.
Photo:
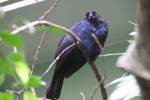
[(90, 16)]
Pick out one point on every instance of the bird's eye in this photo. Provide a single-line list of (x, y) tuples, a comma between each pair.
[(94, 13), (87, 14)]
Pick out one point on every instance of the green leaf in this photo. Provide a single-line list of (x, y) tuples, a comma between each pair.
[(51, 30), (6, 96), (22, 71), (56, 30), (10, 39), (35, 81), (16, 57), (41, 29), (2, 79), (29, 96), (6, 67)]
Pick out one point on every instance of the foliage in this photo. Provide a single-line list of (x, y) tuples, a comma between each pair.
[(14, 65), (6, 96), (51, 30), (29, 96)]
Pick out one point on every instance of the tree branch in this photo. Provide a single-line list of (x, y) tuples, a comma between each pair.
[(100, 80), (35, 58), (96, 72), (97, 41), (83, 95), (95, 89), (55, 2), (45, 23)]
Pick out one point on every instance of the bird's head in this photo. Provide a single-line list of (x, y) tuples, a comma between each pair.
[(93, 17)]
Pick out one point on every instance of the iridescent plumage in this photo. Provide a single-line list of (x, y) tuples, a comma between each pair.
[(73, 59)]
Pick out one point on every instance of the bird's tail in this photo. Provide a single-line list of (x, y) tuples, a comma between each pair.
[(55, 86)]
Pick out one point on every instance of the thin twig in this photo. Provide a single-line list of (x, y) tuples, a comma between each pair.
[(33, 91), (34, 62), (37, 51), (83, 95), (56, 59), (55, 2), (99, 78), (102, 50), (95, 89), (110, 54), (43, 38), (15, 93), (97, 41), (17, 96), (132, 23), (41, 42), (44, 35), (96, 72)]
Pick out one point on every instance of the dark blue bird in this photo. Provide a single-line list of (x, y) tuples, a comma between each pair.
[(73, 59)]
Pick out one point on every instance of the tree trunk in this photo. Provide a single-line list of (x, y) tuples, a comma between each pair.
[(136, 60)]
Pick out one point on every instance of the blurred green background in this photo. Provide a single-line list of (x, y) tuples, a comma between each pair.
[(67, 12)]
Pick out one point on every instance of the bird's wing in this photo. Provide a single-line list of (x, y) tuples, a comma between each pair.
[(79, 28), (64, 43), (101, 33)]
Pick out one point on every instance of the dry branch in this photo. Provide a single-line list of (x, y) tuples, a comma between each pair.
[(55, 2), (95, 89), (35, 58), (83, 95), (45, 23), (96, 72), (100, 80)]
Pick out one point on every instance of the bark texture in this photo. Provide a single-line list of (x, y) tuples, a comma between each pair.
[(136, 60)]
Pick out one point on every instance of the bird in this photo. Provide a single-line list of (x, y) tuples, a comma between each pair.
[(73, 58)]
